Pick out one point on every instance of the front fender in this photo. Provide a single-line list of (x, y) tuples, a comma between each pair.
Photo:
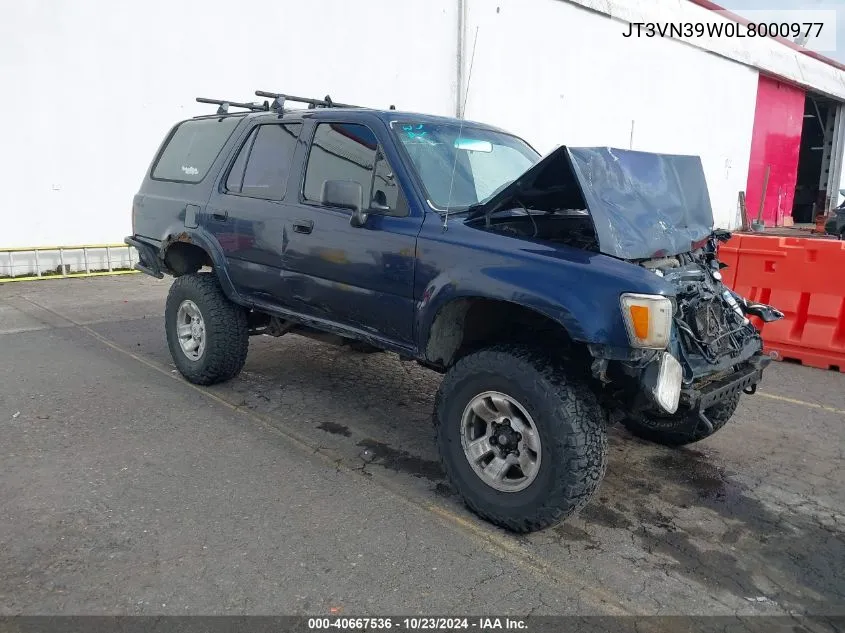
[(444, 289), (578, 289)]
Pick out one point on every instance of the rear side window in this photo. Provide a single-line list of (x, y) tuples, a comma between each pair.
[(192, 148), (262, 166)]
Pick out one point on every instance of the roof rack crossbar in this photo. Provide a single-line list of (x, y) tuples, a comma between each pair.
[(279, 100), (225, 105)]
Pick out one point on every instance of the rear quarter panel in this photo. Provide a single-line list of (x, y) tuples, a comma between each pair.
[(158, 210)]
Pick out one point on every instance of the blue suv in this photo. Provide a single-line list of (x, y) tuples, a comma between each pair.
[(556, 294)]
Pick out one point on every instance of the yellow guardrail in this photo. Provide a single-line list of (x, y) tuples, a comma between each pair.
[(30, 249), (7, 256)]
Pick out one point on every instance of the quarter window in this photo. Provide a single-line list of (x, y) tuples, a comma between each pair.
[(192, 148)]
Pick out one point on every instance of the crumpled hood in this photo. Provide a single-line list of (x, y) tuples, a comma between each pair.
[(643, 205)]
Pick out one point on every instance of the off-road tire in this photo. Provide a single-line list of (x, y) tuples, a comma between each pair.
[(226, 330), (664, 430), (570, 422)]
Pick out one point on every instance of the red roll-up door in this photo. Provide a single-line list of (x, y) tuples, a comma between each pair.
[(776, 140)]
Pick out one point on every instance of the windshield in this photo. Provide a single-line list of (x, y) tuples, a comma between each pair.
[(484, 162)]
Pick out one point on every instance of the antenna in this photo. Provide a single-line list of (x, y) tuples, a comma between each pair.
[(460, 129)]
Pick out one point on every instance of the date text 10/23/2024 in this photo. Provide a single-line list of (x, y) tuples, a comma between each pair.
[(418, 624)]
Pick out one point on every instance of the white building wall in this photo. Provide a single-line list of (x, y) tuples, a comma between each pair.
[(557, 74), (765, 54), (90, 87)]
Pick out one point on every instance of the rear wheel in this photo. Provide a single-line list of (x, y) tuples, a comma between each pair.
[(682, 429), (207, 334), (523, 443)]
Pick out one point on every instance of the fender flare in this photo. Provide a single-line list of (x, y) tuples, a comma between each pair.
[(435, 303), (206, 241)]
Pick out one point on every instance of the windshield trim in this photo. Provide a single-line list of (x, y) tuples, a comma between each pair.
[(415, 176)]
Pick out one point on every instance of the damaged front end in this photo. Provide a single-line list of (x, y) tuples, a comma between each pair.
[(714, 351), (719, 347), (691, 346)]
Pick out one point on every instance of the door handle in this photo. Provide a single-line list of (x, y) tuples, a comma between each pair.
[(221, 216), (303, 226)]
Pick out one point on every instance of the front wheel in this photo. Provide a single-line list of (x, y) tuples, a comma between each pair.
[(679, 429), (523, 443), (207, 334)]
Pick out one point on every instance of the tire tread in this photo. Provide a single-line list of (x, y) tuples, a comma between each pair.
[(578, 432), (718, 414), (226, 327)]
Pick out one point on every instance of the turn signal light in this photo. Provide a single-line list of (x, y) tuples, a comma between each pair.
[(648, 319)]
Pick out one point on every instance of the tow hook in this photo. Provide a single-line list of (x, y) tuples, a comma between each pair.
[(751, 390), (708, 425)]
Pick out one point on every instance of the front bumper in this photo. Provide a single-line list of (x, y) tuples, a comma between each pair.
[(704, 392), (744, 379), (629, 387)]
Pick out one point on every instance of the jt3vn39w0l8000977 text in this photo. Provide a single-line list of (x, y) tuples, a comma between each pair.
[(724, 29)]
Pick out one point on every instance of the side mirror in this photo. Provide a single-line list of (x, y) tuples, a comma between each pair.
[(379, 203), (345, 194)]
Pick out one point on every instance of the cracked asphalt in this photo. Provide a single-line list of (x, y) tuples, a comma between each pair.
[(310, 484)]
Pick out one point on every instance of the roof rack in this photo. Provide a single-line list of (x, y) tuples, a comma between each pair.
[(225, 105), (278, 104), (279, 101)]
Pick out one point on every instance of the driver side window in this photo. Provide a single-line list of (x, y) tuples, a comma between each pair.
[(350, 151)]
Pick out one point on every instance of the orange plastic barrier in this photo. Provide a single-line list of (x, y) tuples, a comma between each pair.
[(729, 254), (803, 278)]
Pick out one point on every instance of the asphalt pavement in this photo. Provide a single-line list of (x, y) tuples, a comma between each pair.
[(310, 485)]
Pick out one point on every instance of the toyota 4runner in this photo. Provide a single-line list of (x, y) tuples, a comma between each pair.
[(557, 295)]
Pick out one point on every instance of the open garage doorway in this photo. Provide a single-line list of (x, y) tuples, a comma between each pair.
[(814, 160)]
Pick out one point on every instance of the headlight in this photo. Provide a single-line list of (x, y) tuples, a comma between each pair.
[(648, 319), (667, 388)]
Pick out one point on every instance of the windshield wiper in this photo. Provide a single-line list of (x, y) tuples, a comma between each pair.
[(475, 210)]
